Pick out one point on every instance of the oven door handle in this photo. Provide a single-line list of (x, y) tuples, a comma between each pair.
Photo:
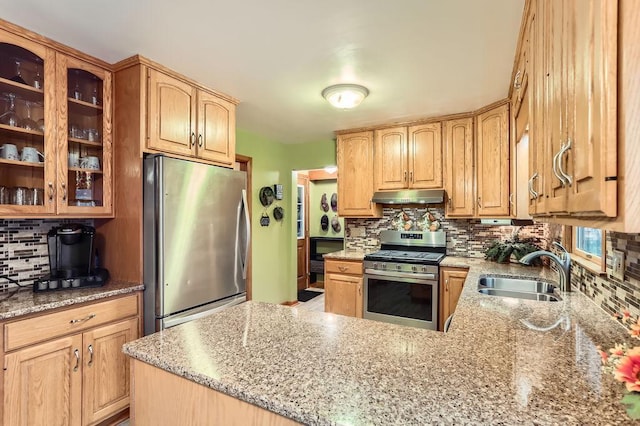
[(395, 274)]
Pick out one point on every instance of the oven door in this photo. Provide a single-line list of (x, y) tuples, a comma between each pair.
[(401, 298)]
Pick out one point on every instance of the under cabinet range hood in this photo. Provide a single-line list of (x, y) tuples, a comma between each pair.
[(410, 196)]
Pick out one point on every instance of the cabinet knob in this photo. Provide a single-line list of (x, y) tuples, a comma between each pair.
[(411, 176), (64, 191), (200, 140), (342, 268), (405, 175), (479, 202), (192, 141)]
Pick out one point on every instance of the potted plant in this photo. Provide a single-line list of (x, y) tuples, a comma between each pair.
[(513, 248)]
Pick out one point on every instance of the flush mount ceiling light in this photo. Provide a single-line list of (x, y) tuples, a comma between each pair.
[(345, 96)]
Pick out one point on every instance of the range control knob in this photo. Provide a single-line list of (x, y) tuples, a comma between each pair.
[(383, 266), (424, 269), (375, 266), (398, 267), (414, 268)]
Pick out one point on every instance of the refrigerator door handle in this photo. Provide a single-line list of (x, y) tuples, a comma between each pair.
[(245, 262)]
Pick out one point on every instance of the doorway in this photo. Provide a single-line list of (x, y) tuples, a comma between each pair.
[(318, 230)]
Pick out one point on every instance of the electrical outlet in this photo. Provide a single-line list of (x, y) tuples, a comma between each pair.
[(358, 232), (617, 265)]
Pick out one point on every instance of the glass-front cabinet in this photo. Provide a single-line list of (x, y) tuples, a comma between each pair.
[(55, 132), (27, 127), (84, 137)]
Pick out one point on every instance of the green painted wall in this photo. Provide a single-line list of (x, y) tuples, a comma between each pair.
[(274, 247)]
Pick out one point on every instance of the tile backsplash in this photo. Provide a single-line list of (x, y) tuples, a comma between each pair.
[(465, 237), (23, 248), (612, 294)]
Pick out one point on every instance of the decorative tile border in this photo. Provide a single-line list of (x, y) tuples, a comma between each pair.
[(23, 248), (465, 237)]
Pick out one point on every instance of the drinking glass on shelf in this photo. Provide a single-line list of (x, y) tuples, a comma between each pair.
[(37, 80), (28, 123), (10, 117), (18, 77), (77, 93)]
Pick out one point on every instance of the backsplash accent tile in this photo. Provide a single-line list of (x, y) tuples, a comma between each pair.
[(23, 248), (609, 293), (465, 237)]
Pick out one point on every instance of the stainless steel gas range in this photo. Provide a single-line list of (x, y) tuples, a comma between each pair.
[(401, 279)]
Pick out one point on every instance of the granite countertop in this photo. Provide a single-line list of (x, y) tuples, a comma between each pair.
[(346, 255), (16, 302), (504, 361)]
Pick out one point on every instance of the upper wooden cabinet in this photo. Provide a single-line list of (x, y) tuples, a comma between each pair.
[(409, 157), (189, 121), (355, 175), (492, 138), (459, 158), (573, 108), (57, 125)]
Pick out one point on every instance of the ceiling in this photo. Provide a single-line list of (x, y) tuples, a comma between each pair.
[(418, 58)]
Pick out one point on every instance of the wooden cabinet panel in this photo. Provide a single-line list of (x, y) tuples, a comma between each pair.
[(459, 156), (391, 158), (343, 295), (171, 114), (216, 129), (355, 175), (106, 370), (492, 136), (451, 283), (343, 267), (591, 162), (43, 384), (573, 145), (48, 326), (425, 156)]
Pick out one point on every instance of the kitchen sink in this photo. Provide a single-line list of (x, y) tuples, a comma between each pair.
[(519, 288)]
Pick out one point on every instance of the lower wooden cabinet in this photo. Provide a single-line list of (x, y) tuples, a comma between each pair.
[(77, 379), (343, 287), (451, 283)]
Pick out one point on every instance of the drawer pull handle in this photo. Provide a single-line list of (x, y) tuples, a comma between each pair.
[(90, 355), (342, 268), (76, 353), (87, 318)]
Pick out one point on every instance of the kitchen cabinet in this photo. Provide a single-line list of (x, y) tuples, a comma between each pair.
[(343, 282), (574, 108), (459, 157), (58, 104), (492, 138), (144, 126), (408, 157), (451, 283), (189, 121), (69, 371), (355, 175)]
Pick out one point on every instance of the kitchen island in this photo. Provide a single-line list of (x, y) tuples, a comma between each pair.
[(504, 361)]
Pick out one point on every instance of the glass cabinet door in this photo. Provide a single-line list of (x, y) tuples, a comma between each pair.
[(84, 138), (27, 128)]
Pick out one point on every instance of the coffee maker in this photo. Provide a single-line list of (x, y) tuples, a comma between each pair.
[(71, 264)]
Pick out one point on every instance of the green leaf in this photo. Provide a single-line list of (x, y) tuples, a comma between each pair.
[(632, 403)]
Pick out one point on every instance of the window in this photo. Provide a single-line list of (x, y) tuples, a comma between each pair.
[(589, 244)]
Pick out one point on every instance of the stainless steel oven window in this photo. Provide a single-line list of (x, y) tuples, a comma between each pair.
[(406, 301)]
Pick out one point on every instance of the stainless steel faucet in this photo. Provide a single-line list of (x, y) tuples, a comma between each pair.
[(563, 263)]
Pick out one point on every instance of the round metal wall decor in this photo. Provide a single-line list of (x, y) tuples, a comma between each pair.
[(266, 196)]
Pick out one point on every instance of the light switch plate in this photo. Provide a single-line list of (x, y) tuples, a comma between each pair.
[(617, 265)]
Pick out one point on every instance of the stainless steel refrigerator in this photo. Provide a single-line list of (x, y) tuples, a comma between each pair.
[(196, 240)]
